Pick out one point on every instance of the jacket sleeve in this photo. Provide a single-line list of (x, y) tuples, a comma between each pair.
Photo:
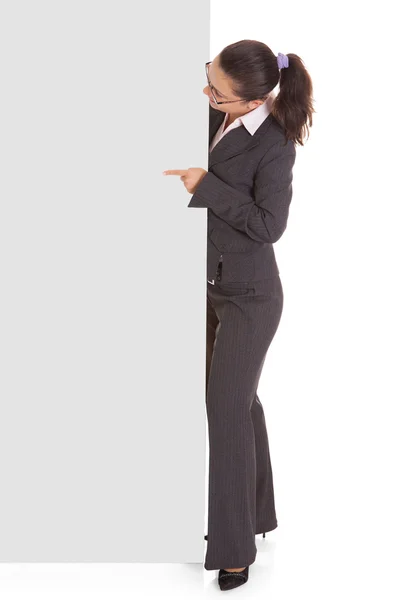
[(263, 215)]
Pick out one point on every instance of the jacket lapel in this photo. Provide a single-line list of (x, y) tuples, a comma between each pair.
[(215, 120), (234, 142)]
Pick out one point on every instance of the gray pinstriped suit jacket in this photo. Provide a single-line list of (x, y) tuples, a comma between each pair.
[(247, 191)]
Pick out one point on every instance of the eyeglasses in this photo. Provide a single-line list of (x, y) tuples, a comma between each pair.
[(211, 89)]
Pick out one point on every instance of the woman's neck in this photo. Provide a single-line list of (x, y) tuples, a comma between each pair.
[(228, 122)]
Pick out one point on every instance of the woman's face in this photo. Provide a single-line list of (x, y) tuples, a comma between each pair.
[(222, 89)]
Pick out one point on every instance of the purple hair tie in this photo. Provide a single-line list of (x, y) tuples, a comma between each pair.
[(283, 60)]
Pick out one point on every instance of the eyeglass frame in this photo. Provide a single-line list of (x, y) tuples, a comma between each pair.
[(211, 89)]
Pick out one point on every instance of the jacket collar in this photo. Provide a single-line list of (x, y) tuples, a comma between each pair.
[(239, 139)]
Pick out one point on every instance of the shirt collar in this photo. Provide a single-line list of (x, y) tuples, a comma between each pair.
[(253, 119)]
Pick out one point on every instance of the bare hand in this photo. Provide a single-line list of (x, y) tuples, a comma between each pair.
[(191, 177)]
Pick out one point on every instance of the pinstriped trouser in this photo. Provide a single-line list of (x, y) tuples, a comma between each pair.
[(242, 320)]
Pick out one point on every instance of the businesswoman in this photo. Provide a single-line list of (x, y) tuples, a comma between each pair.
[(247, 191)]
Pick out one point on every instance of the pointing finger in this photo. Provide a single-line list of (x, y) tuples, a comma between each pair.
[(175, 172)]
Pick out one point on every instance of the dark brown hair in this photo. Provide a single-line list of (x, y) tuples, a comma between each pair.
[(253, 69)]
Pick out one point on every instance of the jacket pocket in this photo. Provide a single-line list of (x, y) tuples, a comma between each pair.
[(234, 289), (229, 262)]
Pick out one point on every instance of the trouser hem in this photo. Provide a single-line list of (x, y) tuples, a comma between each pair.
[(266, 528), (235, 565)]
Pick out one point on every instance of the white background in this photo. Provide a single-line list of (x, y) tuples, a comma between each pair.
[(330, 385)]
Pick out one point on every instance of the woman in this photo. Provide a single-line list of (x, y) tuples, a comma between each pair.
[(248, 190)]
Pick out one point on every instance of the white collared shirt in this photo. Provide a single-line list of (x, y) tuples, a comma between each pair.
[(251, 120)]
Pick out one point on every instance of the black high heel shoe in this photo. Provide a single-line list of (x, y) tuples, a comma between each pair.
[(228, 580)]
